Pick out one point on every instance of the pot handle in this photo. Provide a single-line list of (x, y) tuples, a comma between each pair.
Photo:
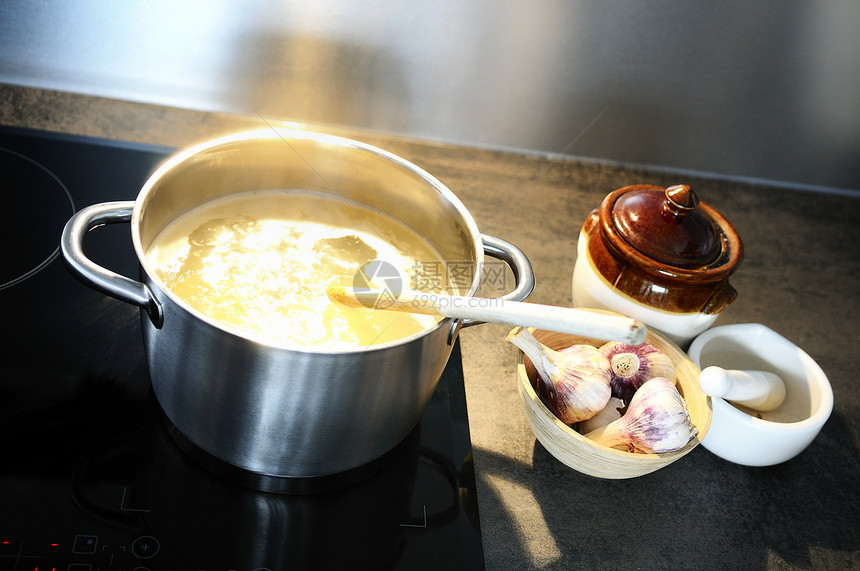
[(95, 276), (524, 276)]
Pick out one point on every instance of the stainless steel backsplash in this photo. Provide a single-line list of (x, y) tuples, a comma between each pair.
[(750, 89)]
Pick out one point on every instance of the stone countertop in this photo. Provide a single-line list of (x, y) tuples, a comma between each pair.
[(800, 277)]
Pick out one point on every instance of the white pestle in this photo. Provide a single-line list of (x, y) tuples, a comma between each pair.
[(758, 390)]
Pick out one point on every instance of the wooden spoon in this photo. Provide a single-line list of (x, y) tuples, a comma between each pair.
[(494, 310)]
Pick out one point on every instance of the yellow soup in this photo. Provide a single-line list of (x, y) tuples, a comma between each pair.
[(260, 263)]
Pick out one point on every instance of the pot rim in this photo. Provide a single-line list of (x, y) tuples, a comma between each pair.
[(286, 133)]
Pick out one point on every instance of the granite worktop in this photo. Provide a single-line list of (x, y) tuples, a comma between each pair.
[(800, 277)]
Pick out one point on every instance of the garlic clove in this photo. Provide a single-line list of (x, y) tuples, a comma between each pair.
[(576, 379), (610, 413), (631, 366), (656, 421)]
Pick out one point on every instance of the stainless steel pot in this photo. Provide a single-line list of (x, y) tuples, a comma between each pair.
[(288, 411)]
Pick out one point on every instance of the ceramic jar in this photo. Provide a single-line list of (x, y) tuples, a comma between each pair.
[(658, 255)]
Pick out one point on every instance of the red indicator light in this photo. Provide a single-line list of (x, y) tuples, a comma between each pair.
[(55, 545)]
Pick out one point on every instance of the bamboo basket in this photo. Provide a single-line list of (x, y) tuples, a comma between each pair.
[(588, 457)]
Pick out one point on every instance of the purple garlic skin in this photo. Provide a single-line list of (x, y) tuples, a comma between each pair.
[(631, 366), (583, 389), (573, 383), (656, 421)]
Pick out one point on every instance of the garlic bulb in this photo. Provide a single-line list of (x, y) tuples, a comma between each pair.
[(657, 420), (631, 366), (610, 413), (576, 379)]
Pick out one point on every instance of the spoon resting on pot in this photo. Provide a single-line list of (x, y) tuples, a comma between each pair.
[(494, 310)]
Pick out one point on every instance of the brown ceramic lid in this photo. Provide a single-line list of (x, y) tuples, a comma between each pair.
[(667, 226), (664, 248)]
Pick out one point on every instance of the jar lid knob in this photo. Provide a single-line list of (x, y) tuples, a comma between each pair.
[(680, 199)]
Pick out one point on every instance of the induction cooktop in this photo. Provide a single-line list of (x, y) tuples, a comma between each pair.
[(90, 476)]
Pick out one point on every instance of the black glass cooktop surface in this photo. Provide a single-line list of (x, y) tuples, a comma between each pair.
[(90, 477)]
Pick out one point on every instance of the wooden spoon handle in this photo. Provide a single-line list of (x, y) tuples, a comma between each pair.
[(493, 310)]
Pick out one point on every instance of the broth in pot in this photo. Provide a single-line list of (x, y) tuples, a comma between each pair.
[(259, 263)]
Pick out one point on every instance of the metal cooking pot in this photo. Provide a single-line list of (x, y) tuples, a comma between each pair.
[(278, 410)]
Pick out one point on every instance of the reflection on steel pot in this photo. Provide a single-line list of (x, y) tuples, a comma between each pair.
[(279, 410)]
